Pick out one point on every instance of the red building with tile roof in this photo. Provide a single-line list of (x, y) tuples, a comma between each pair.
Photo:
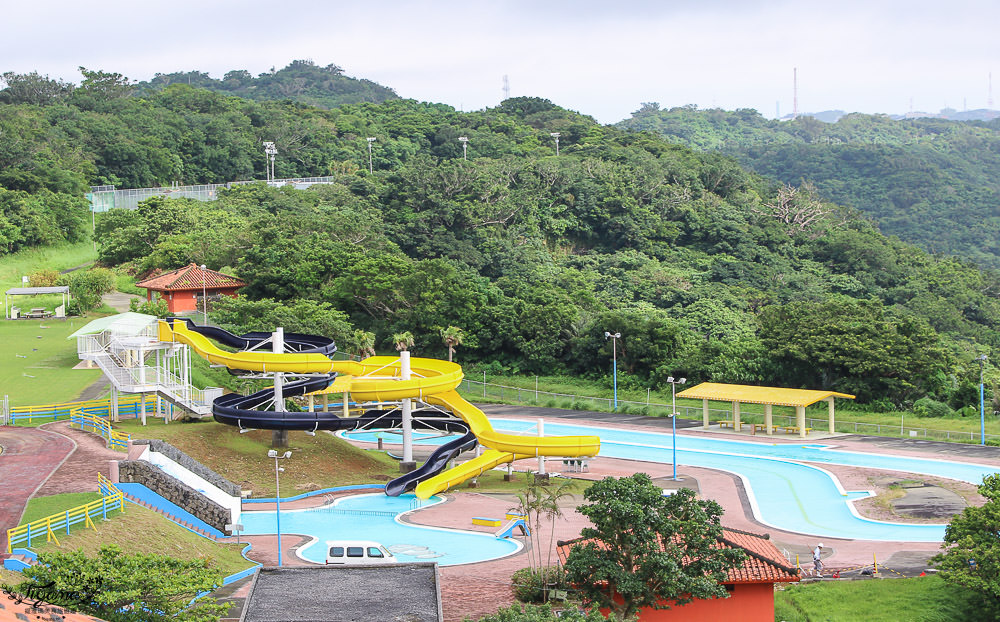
[(750, 585), (181, 288)]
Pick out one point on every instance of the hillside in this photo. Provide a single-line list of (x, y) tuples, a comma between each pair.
[(301, 81), (707, 270), (932, 182)]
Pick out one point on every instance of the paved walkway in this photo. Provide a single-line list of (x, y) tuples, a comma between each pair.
[(78, 473), (29, 457)]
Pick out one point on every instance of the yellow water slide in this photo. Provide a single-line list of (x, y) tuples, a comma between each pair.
[(377, 379)]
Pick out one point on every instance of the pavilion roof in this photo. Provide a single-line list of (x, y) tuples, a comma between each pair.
[(748, 394), (764, 563), (190, 277)]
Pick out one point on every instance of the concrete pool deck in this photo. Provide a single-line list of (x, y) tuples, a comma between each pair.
[(477, 589)]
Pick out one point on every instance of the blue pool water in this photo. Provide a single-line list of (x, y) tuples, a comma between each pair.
[(787, 487), (375, 517)]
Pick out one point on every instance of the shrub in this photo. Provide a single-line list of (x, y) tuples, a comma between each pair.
[(43, 278), (529, 584), (927, 407), (87, 286)]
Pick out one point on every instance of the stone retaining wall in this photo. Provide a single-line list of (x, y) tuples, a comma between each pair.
[(175, 491), (192, 465)]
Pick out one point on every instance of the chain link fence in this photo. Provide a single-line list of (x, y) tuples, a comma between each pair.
[(506, 394)]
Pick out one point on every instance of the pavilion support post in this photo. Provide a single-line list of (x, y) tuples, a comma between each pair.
[(800, 420), (326, 402), (736, 416), (829, 411), (704, 413), (768, 419), (312, 403), (347, 404)]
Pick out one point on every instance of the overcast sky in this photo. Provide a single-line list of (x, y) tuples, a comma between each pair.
[(602, 58)]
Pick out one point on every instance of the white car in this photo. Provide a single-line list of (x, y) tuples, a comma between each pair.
[(357, 553)]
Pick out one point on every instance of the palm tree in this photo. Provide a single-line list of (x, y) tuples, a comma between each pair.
[(453, 336), (403, 341), (550, 508), (364, 342)]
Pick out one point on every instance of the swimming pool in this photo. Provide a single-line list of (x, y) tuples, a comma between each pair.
[(787, 487), (376, 517)]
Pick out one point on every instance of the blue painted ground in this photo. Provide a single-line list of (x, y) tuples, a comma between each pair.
[(145, 494)]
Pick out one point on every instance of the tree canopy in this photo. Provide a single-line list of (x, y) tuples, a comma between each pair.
[(534, 256), (121, 587), (648, 550)]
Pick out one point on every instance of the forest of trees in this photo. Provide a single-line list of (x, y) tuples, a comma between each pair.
[(932, 182), (707, 270)]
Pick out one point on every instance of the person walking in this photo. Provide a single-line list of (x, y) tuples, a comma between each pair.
[(818, 559)]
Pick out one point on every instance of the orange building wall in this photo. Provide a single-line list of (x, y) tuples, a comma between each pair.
[(748, 602), (178, 302)]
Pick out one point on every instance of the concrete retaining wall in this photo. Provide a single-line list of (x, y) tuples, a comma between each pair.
[(175, 491)]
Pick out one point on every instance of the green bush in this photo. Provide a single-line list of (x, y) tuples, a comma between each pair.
[(43, 278), (87, 286), (543, 613), (927, 407), (528, 584)]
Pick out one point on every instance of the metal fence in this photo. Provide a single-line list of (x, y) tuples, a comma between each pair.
[(104, 198), (473, 389)]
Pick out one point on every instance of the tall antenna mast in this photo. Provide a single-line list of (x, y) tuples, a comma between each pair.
[(989, 97), (506, 87), (795, 92)]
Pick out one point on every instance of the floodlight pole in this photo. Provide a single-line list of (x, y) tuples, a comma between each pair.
[(982, 401), (673, 418), (614, 361), (269, 152), (465, 142), (277, 494), (556, 136), (370, 140)]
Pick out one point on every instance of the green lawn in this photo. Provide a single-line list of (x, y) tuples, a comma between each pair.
[(922, 599), (40, 507), (59, 258), (139, 530), (38, 361)]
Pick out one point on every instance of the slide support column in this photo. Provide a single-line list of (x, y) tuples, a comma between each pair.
[(279, 438), (408, 464)]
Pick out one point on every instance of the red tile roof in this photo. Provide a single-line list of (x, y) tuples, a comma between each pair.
[(190, 276), (764, 563), (32, 609)]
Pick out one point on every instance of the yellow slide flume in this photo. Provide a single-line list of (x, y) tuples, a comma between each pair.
[(377, 379)]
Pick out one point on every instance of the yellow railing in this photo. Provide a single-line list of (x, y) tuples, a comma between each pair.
[(116, 439), (112, 499), (65, 409)]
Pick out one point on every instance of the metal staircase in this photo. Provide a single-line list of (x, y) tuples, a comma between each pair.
[(140, 363)]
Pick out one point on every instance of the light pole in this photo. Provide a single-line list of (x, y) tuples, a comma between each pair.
[(204, 297), (614, 361), (556, 136), (982, 402), (269, 152), (277, 494), (673, 417), (465, 143), (370, 140)]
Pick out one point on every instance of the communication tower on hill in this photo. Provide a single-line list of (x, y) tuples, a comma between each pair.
[(506, 87), (795, 92)]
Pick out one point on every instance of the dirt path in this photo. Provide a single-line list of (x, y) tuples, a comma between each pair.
[(30, 455)]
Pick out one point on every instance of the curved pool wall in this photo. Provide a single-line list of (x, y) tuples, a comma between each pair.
[(377, 517), (784, 492)]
